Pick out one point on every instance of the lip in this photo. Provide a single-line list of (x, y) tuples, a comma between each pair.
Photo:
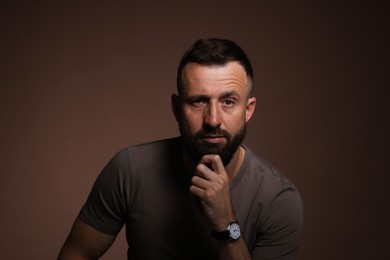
[(213, 139)]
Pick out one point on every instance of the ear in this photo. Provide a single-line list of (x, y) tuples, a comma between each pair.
[(175, 103), (250, 108)]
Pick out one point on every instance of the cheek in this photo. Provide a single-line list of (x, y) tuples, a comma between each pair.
[(193, 121), (235, 120)]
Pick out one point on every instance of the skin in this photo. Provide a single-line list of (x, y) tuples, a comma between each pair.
[(216, 96), (225, 103), (85, 243)]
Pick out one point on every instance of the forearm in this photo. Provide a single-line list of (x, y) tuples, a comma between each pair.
[(70, 253), (233, 250)]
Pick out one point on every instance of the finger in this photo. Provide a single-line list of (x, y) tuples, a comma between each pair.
[(208, 195), (201, 183), (203, 171), (197, 192), (209, 181), (215, 161)]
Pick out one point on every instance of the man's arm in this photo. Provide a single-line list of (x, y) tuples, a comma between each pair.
[(212, 188), (85, 242), (234, 250)]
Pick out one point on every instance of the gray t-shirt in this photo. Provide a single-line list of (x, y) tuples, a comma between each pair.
[(146, 188)]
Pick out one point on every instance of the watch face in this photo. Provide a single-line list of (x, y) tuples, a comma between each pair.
[(234, 230)]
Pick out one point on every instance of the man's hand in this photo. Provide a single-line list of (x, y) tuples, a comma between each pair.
[(211, 186)]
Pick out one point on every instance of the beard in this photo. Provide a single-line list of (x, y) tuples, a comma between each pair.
[(196, 149)]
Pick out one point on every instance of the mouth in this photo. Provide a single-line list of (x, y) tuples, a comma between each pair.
[(213, 139)]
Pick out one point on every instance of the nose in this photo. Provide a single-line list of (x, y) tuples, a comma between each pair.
[(211, 117)]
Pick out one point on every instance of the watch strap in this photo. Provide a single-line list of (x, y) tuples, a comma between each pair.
[(221, 236), (224, 235)]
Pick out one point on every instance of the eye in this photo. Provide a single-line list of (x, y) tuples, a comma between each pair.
[(229, 102), (198, 102)]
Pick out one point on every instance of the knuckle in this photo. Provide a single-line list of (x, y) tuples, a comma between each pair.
[(222, 181), (209, 193), (196, 180), (215, 156)]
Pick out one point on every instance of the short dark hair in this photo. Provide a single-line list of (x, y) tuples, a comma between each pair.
[(214, 52)]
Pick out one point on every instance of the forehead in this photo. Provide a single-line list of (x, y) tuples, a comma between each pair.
[(202, 79)]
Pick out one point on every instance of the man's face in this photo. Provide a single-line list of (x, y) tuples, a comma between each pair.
[(213, 109)]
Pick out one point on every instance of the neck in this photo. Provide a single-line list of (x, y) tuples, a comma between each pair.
[(235, 163), (231, 168)]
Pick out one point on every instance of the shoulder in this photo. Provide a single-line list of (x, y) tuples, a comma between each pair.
[(258, 172), (269, 188), (139, 155), (150, 153), (145, 158), (154, 147)]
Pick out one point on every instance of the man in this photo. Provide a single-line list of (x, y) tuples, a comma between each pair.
[(203, 195)]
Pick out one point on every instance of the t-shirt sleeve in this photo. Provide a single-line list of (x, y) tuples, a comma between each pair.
[(281, 231), (106, 206)]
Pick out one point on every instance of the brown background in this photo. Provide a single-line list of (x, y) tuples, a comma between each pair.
[(80, 81)]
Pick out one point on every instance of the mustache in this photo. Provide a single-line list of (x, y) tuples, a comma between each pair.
[(215, 132)]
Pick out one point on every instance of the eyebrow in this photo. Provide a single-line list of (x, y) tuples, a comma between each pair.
[(197, 97), (229, 94), (207, 98)]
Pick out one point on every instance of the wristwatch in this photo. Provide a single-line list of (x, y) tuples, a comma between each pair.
[(231, 233)]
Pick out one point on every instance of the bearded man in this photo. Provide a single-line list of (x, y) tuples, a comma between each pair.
[(203, 195)]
